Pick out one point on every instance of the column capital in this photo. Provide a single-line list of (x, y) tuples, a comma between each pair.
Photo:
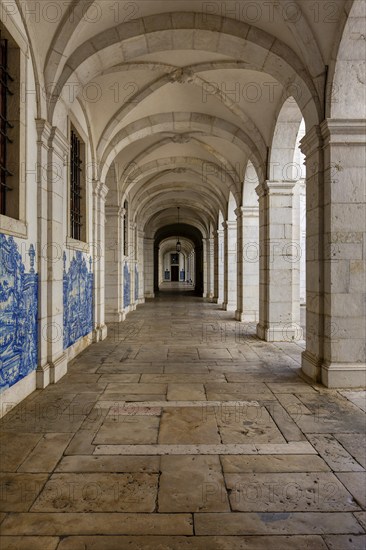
[(344, 132), (100, 189), (312, 141), (229, 224), (282, 187), (44, 130)]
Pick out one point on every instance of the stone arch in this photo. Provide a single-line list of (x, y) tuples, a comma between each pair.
[(282, 165), (346, 95), (139, 37)]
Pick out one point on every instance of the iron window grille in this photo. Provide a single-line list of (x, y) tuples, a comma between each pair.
[(76, 169), (5, 125)]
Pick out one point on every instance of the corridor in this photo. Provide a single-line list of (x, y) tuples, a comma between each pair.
[(183, 430)]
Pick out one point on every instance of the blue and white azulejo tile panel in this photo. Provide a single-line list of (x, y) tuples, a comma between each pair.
[(126, 286), (18, 314), (77, 299)]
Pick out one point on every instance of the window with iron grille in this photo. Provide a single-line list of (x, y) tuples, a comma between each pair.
[(125, 230), (6, 142), (77, 187)]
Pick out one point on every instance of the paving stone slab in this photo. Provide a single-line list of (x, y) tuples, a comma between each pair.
[(297, 523), (273, 463), (355, 444), (149, 464), (194, 543), (247, 425), (28, 543), (188, 425), (334, 454), (230, 449), (346, 542), (128, 430), (150, 388), (361, 517), (192, 484), (63, 524), (98, 492), (46, 454), (355, 483), (183, 378), (186, 392), (283, 492), (18, 491), (14, 448)]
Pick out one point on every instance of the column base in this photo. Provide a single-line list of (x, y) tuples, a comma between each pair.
[(100, 333), (115, 317), (311, 366), (280, 332), (228, 306), (58, 368), (246, 316), (344, 375), (43, 376)]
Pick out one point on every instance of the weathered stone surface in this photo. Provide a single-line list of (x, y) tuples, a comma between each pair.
[(187, 426), (25, 543), (276, 523), (109, 464), (46, 454), (127, 429), (355, 483), (98, 492), (247, 425), (19, 491), (334, 454), (282, 492), (14, 449), (192, 484), (346, 542), (44, 524), (273, 463), (198, 543), (186, 392), (355, 444)]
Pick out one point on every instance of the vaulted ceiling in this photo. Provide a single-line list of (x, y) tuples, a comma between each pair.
[(180, 94)]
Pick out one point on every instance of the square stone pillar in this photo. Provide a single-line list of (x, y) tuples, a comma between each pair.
[(219, 267), (114, 264), (140, 257), (52, 193), (100, 191), (211, 267), (247, 264), (230, 266), (337, 356), (149, 267), (280, 254)]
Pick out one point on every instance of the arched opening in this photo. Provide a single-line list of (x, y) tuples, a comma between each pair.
[(189, 234)]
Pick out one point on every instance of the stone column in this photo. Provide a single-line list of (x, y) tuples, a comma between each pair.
[(140, 255), (279, 305), (100, 191), (52, 194), (114, 264), (230, 266), (206, 267), (149, 267), (302, 193), (132, 262), (43, 369), (220, 267), (211, 268), (247, 264), (336, 221)]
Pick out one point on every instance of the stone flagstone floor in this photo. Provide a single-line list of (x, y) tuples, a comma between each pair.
[(183, 430)]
